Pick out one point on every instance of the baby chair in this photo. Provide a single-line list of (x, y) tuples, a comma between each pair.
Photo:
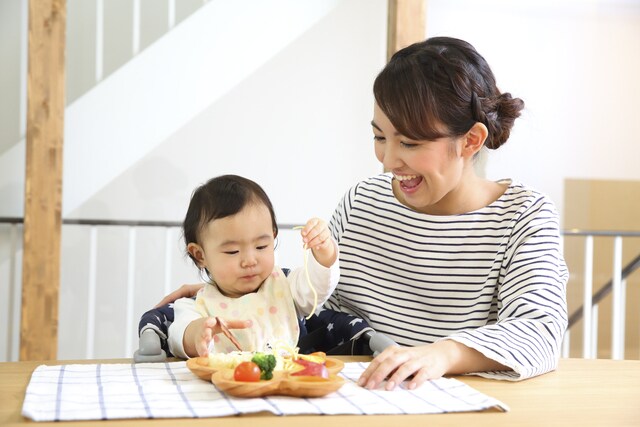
[(330, 331)]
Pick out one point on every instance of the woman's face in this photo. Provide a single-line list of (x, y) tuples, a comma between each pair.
[(238, 250), (426, 173)]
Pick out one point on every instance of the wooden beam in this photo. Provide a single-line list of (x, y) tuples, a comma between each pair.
[(43, 181), (406, 24)]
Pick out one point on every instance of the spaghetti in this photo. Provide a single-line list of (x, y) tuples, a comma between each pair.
[(306, 272)]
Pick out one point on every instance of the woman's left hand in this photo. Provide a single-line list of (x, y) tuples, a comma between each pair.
[(425, 362), (399, 363)]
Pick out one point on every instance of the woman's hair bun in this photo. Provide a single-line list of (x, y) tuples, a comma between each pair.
[(500, 114)]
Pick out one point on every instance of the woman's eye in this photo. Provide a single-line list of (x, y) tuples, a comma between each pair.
[(408, 144), (377, 138)]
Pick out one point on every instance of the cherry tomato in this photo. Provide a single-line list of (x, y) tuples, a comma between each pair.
[(247, 371)]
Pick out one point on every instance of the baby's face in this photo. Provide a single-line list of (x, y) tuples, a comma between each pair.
[(238, 250)]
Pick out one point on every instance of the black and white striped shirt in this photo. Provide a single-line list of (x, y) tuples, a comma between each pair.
[(493, 279)]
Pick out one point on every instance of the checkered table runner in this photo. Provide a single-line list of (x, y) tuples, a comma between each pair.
[(171, 390)]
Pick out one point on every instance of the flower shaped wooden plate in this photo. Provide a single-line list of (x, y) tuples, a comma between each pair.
[(281, 384), (200, 367)]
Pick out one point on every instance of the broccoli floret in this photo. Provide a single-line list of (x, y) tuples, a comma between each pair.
[(266, 363)]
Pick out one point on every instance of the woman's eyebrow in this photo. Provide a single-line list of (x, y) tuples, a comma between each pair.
[(396, 133)]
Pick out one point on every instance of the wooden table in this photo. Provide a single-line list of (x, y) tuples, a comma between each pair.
[(580, 393)]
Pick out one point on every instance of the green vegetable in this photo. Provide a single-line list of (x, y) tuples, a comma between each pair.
[(266, 363)]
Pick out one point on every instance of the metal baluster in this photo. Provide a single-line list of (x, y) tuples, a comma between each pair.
[(623, 315), (566, 343), (167, 260), (594, 332), (617, 339), (172, 13), (136, 27), (99, 40), (131, 279), (11, 331), (588, 294), (91, 294), (24, 54)]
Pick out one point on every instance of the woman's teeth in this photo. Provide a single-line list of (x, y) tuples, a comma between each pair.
[(408, 181), (405, 177)]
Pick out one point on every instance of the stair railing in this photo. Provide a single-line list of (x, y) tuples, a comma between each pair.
[(588, 312)]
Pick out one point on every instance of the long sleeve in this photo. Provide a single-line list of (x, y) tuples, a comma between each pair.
[(532, 309), (185, 312)]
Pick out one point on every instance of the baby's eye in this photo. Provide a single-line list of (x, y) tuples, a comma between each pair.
[(231, 252), (263, 247)]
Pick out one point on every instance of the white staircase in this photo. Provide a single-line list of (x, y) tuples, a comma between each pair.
[(136, 108)]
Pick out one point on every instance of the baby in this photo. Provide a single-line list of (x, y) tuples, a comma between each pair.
[(230, 230)]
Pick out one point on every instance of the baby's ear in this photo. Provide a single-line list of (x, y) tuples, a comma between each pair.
[(197, 253)]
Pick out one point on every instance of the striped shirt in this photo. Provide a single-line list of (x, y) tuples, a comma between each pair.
[(492, 279)]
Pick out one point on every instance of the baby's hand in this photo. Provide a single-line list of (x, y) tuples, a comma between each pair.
[(316, 236), (207, 327)]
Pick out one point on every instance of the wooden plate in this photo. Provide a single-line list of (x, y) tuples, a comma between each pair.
[(281, 384), (200, 367), (334, 366)]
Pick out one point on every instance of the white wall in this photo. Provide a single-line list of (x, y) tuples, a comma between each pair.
[(575, 64)]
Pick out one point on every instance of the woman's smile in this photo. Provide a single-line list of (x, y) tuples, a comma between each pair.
[(408, 183)]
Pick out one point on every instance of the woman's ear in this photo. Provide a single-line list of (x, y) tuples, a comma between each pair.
[(474, 139), (197, 253)]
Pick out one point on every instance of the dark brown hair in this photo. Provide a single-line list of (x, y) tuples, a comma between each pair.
[(440, 88), (220, 197)]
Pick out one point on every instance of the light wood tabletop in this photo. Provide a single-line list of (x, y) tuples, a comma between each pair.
[(580, 393)]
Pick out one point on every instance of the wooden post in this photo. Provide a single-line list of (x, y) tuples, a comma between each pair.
[(43, 181), (406, 24)]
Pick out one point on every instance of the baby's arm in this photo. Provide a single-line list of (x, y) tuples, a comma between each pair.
[(185, 312), (192, 330)]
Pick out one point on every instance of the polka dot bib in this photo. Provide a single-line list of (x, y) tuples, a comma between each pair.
[(270, 310)]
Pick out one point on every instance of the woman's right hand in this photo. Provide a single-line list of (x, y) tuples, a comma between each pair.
[(184, 291)]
